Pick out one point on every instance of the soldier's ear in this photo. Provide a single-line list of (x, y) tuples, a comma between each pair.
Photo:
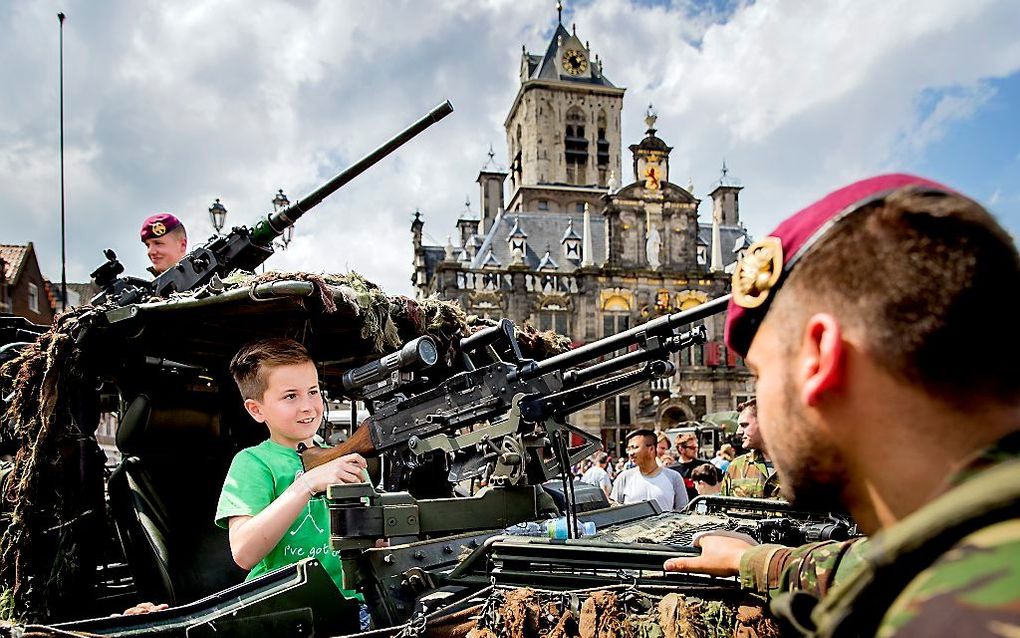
[(822, 359)]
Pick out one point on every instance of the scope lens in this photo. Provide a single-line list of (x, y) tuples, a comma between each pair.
[(427, 352)]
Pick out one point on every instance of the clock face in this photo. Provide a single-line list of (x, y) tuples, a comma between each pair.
[(574, 62)]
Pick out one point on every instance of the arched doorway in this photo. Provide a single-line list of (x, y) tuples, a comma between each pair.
[(673, 411)]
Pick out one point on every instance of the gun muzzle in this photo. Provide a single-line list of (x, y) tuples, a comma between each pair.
[(417, 354)]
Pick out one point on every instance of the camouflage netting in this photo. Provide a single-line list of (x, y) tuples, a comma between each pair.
[(608, 613), (50, 421), (54, 493), (389, 321)]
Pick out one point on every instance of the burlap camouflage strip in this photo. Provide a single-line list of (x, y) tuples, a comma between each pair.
[(615, 613)]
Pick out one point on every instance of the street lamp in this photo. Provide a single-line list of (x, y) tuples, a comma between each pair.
[(279, 203), (218, 215)]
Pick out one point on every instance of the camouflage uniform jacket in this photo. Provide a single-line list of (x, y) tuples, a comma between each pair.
[(968, 587), (749, 476)]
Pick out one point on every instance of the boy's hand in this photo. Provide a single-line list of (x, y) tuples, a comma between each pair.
[(346, 469), (144, 608)]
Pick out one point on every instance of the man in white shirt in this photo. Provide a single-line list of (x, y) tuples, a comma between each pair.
[(648, 481), (597, 474)]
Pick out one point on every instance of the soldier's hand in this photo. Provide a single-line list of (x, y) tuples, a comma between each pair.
[(346, 469), (720, 555)]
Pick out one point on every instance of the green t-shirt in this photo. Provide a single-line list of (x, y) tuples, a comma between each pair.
[(257, 476)]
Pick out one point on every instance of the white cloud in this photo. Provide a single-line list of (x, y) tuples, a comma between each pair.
[(169, 105)]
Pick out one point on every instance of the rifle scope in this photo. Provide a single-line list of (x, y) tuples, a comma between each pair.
[(416, 354)]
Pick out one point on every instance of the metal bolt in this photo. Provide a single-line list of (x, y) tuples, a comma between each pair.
[(419, 555), (447, 549)]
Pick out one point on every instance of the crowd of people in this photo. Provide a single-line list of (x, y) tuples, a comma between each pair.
[(651, 470)]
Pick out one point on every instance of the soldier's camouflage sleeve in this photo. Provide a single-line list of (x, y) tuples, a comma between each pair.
[(972, 590), (747, 476), (814, 567)]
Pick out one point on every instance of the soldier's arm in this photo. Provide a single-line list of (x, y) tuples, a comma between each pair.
[(975, 584), (814, 567), (770, 569)]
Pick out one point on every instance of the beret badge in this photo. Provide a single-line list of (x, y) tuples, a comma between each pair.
[(158, 229), (758, 272)]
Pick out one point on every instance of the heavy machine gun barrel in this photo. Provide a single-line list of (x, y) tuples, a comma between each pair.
[(273, 226), (241, 248)]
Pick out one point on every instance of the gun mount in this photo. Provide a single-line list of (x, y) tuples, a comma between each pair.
[(241, 248)]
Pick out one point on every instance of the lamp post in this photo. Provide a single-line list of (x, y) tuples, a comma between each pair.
[(218, 215), (280, 202)]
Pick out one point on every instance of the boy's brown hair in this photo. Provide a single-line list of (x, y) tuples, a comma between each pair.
[(251, 365)]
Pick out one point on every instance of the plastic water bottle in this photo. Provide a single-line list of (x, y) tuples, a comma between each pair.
[(558, 528), (550, 529)]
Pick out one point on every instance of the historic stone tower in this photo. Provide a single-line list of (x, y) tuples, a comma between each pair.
[(563, 130), (587, 249)]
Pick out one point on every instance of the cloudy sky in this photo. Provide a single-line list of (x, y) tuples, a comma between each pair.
[(169, 105)]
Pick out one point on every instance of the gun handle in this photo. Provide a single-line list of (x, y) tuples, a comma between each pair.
[(360, 442)]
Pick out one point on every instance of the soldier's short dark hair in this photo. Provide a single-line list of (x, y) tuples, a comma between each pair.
[(648, 436), (251, 365), (923, 278), (751, 403)]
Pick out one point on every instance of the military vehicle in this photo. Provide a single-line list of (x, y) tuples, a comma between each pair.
[(449, 400)]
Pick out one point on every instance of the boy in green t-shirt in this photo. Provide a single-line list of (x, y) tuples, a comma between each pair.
[(275, 513)]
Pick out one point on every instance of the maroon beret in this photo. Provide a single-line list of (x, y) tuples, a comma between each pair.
[(768, 262), (159, 225)]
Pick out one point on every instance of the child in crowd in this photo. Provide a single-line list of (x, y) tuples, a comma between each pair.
[(706, 479), (275, 513)]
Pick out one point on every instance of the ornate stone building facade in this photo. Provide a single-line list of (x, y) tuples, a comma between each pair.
[(572, 251)]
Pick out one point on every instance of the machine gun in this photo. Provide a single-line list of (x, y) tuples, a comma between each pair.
[(242, 248), (502, 416), (503, 408)]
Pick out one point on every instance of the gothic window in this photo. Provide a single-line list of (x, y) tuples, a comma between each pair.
[(602, 149), (33, 297), (617, 411), (702, 255), (556, 320), (614, 322), (516, 168), (576, 147)]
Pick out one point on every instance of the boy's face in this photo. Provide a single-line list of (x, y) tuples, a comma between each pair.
[(291, 406)]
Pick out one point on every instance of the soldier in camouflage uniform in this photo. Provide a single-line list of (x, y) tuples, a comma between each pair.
[(858, 316), (750, 475)]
